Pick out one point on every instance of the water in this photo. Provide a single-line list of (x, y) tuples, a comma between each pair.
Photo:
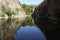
[(29, 33), (20, 29), (8, 27)]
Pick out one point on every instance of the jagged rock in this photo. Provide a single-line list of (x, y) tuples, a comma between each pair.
[(47, 17)]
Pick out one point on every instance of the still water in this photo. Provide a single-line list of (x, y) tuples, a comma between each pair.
[(29, 33), (19, 29)]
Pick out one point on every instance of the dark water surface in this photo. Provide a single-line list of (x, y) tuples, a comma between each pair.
[(29, 33)]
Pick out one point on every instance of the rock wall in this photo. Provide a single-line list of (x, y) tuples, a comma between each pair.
[(9, 26), (14, 5), (47, 17)]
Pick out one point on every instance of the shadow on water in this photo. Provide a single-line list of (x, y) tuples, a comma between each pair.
[(23, 26), (28, 31)]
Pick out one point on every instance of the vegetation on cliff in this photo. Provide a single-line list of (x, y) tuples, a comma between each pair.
[(27, 22), (7, 10), (28, 8)]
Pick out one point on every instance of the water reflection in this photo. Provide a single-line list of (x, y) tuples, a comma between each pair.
[(8, 27), (29, 33), (27, 21)]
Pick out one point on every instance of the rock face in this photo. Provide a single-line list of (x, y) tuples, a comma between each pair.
[(9, 26), (12, 6), (47, 17)]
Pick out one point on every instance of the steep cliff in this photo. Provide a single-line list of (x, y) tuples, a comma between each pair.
[(47, 17), (9, 26), (11, 8)]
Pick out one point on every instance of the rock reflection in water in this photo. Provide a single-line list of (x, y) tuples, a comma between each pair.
[(29, 33), (9, 27)]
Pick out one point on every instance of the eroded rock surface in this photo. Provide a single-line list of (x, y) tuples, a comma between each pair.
[(47, 17), (11, 17), (11, 8)]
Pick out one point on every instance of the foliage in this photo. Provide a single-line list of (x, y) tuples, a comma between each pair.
[(10, 23), (7, 23), (27, 21), (7, 10), (27, 8), (17, 9)]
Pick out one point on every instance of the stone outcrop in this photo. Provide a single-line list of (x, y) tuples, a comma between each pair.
[(47, 17), (12, 5), (9, 26)]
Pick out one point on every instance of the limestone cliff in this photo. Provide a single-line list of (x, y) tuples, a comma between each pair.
[(47, 17), (9, 26), (13, 6)]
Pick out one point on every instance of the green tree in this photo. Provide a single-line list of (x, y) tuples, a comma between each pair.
[(27, 8), (7, 10)]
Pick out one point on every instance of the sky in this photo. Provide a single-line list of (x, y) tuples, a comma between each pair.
[(34, 2)]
